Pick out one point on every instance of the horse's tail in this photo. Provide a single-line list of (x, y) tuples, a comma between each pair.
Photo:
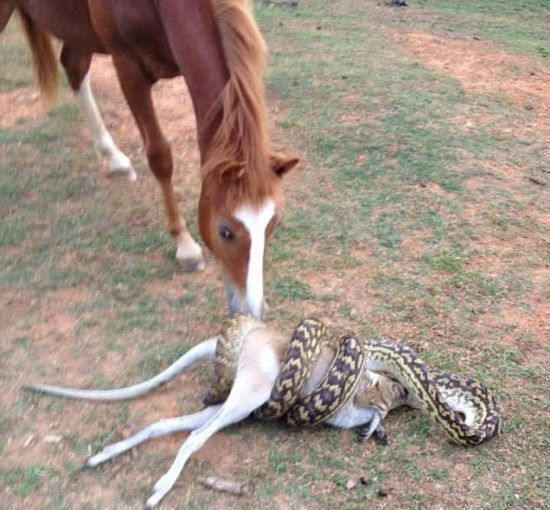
[(43, 55)]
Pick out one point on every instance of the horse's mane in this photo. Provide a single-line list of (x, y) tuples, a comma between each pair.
[(239, 149)]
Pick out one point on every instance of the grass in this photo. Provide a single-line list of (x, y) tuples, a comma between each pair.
[(25, 480), (518, 24), (395, 226)]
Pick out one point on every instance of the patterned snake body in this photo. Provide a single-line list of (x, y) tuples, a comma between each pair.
[(357, 374), (466, 410)]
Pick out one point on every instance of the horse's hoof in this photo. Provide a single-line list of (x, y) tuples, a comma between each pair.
[(192, 264), (125, 171), (189, 254)]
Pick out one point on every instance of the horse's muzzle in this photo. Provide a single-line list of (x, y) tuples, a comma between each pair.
[(238, 304)]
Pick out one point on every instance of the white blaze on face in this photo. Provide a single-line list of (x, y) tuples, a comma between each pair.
[(256, 220)]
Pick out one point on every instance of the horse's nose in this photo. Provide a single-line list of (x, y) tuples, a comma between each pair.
[(235, 301), (265, 310), (238, 301), (257, 310), (259, 314)]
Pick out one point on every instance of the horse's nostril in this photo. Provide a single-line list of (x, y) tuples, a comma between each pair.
[(236, 302), (258, 311), (264, 312)]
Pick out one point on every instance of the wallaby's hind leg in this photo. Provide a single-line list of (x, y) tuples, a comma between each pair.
[(77, 67), (158, 429), (258, 368)]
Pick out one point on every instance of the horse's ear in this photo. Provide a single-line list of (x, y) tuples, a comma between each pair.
[(281, 165), (232, 171)]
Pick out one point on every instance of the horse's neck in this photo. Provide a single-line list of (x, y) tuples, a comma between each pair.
[(196, 47), (221, 54)]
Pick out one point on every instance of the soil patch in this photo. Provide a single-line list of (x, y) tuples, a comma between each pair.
[(481, 66), (20, 105)]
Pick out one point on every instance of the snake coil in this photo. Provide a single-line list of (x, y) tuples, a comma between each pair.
[(465, 409)]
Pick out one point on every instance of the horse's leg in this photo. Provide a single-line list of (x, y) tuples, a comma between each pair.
[(157, 429), (136, 86), (77, 67)]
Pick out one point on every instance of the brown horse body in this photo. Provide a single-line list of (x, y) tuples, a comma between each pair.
[(218, 49)]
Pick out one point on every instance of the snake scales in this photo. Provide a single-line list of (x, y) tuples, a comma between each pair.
[(367, 372)]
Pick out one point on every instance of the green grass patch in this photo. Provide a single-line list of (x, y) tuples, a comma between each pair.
[(25, 480), (290, 289), (517, 24)]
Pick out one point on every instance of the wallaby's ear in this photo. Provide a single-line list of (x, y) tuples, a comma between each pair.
[(281, 165)]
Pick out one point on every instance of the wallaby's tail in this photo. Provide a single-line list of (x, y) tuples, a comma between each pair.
[(43, 56), (204, 351)]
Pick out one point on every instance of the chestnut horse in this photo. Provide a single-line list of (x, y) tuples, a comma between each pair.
[(217, 47)]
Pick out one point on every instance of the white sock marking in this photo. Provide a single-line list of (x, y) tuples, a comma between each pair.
[(103, 141)]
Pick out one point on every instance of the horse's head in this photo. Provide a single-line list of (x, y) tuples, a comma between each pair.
[(239, 208)]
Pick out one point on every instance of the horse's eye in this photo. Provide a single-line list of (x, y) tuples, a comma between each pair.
[(226, 233)]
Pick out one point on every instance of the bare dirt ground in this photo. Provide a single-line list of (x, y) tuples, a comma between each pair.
[(482, 66), (20, 105)]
